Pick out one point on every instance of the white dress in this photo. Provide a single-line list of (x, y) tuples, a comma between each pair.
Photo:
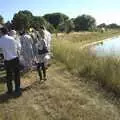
[(47, 38), (40, 57), (27, 51)]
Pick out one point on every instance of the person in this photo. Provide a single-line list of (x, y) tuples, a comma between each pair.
[(42, 51), (13, 34), (10, 51), (27, 50), (47, 39), (34, 35)]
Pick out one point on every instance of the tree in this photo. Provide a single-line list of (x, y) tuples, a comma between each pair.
[(50, 27), (102, 25), (37, 21), (84, 22), (113, 26), (1, 20), (22, 20), (55, 18), (67, 26)]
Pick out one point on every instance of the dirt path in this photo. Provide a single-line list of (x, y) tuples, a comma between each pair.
[(61, 97)]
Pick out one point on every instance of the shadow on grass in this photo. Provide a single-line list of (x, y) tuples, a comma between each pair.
[(4, 97)]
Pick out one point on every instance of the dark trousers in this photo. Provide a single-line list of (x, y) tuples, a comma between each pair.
[(41, 69), (13, 73)]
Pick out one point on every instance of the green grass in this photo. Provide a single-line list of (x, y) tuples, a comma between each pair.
[(2, 74), (105, 70)]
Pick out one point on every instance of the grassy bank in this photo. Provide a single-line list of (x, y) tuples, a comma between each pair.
[(87, 37), (66, 48)]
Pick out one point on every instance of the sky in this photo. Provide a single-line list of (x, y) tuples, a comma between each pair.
[(104, 11)]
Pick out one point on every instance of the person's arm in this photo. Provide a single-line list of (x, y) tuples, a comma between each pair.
[(36, 55), (1, 47), (18, 44)]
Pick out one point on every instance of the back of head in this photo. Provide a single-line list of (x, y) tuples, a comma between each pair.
[(22, 32), (12, 33), (41, 33), (3, 31), (42, 27)]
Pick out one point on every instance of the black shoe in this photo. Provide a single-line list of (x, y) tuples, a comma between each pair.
[(9, 92), (18, 93), (44, 78)]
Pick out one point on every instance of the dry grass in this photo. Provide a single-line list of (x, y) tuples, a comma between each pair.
[(62, 97), (86, 37), (79, 61)]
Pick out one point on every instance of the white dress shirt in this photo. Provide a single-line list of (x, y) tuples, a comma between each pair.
[(10, 47)]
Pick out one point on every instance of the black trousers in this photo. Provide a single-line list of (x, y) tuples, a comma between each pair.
[(13, 73), (41, 69)]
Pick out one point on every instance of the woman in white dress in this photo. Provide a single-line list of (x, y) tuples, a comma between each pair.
[(42, 51), (27, 50)]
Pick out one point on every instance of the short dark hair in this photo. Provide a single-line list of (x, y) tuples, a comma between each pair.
[(22, 32), (4, 30), (42, 27)]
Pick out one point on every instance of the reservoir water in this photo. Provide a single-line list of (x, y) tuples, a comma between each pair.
[(109, 47)]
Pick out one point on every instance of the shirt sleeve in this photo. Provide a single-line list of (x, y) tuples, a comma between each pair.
[(18, 47), (0, 46)]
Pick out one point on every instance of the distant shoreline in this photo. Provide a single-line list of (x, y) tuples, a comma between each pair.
[(97, 42)]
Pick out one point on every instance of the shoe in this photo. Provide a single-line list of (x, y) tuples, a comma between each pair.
[(40, 79), (45, 79), (9, 92), (18, 93)]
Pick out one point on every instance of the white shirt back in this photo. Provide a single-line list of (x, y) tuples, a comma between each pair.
[(9, 47)]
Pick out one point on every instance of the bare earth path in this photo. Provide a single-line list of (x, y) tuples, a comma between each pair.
[(61, 97)]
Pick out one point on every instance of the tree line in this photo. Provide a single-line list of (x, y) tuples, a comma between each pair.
[(59, 22)]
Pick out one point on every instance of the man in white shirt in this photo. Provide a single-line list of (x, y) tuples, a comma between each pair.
[(10, 49)]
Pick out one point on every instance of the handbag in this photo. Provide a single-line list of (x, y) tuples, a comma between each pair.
[(43, 51)]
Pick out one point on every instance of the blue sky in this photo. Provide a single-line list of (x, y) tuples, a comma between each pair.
[(103, 10)]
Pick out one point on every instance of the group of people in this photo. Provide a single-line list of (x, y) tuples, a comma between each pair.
[(28, 49)]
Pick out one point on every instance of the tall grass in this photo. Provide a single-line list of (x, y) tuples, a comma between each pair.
[(105, 70), (87, 37)]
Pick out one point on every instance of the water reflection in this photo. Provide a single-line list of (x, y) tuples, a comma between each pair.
[(110, 47)]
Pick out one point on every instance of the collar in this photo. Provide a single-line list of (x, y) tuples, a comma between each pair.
[(4, 35)]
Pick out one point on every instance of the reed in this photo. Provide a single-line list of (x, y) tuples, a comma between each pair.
[(104, 70)]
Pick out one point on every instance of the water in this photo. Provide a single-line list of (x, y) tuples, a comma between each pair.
[(110, 47)]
